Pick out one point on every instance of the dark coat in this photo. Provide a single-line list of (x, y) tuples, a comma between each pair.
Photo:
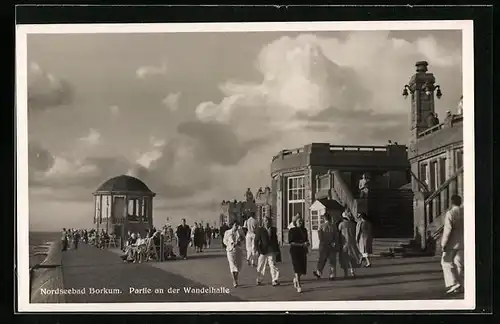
[(265, 243), (184, 233)]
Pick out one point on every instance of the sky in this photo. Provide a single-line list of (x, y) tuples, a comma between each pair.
[(199, 116)]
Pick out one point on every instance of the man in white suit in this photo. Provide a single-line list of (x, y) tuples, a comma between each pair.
[(452, 243), (251, 225)]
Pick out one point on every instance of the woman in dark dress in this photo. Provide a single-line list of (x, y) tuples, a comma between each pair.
[(299, 246)]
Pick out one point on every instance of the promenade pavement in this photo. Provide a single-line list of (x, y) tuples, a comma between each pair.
[(387, 279), (90, 267)]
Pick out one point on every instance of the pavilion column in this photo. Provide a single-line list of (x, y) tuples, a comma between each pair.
[(149, 204)]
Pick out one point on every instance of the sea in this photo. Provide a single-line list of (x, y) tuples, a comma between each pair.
[(37, 239)]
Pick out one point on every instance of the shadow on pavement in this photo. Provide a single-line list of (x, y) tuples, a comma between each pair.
[(354, 285), (410, 262)]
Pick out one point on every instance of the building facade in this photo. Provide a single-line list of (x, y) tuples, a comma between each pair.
[(435, 154), (238, 210), (295, 174), (263, 203)]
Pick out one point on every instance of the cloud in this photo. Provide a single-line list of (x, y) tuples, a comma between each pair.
[(149, 70), (323, 84), (40, 160), (93, 137), (171, 101), (46, 90)]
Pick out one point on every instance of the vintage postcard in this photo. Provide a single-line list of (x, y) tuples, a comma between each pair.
[(245, 166)]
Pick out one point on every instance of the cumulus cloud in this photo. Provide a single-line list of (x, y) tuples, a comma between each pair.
[(171, 101), (317, 83), (149, 70), (45, 90)]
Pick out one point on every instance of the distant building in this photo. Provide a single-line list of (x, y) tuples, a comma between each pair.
[(238, 210), (263, 202)]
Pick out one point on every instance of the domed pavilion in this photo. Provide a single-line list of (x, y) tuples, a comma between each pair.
[(123, 204)]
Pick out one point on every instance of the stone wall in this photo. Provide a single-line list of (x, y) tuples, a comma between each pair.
[(49, 276)]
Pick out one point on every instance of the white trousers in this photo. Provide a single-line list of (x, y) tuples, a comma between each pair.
[(453, 267), (250, 247), (263, 261)]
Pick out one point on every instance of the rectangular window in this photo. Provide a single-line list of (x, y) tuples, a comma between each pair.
[(296, 199), (433, 176), (442, 171), (97, 208), (314, 220), (459, 159), (423, 173)]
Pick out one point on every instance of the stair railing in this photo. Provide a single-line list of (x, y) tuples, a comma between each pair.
[(422, 185), (343, 193), (440, 201)]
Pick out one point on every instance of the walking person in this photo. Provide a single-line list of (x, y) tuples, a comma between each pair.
[(183, 238), (299, 247), (267, 246), (350, 257), (364, 238), (233, 239), (208, 236), (251, 225), (64, 240), (223, 229), (76, 239), (328, 235), (452, 243), (198, 237)]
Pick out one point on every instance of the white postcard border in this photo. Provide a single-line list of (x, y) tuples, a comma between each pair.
[(387, 305)]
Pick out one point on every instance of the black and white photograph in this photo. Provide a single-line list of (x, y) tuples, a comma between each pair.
[(245, 166)]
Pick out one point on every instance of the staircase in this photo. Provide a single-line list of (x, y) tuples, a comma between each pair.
[(391, 212), (437, 204)]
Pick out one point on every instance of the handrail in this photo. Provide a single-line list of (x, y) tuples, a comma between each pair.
[(343, 192), (444, 185), (420, 182)]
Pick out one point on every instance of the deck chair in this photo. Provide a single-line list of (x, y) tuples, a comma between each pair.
[(112, 241)]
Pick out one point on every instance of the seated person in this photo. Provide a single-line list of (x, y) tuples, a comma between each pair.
[(130, 249)]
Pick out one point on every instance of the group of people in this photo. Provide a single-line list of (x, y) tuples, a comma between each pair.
[(139, 249), (70, 238), (201, 237), (348, 240)]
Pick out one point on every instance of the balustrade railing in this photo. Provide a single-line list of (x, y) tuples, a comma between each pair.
[(440, 200), (454, 119)]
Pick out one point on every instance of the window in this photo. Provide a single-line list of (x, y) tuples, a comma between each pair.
[(314, 220), (459, 159), (433, 177), (296, 198), (442, 171), (264, 211), (423, 173), (97, 208)]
